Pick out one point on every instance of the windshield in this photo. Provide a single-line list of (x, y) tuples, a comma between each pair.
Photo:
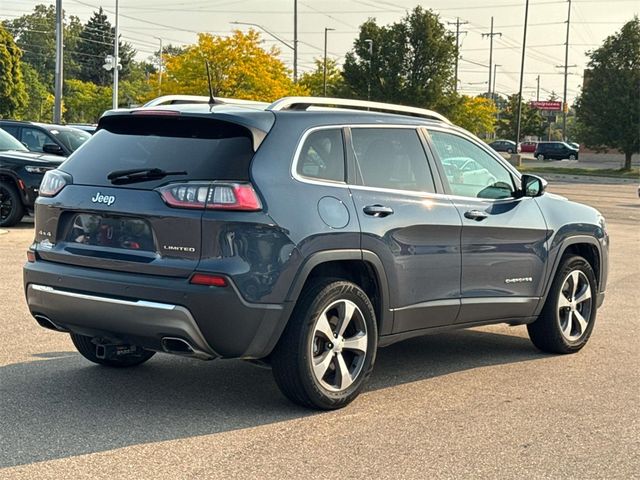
[(71, 138), (8, 142)]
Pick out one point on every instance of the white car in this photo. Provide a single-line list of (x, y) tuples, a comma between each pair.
[(465, 170)]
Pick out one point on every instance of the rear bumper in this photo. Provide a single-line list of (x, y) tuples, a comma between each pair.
[(144, 309)]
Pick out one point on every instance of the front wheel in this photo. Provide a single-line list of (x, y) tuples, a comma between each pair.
[(569, 314), (540, 157), (572, 157), (11, 208), (329, 346)]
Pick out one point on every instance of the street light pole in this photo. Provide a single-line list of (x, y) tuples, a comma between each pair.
[(116, 61), (493, 88), (324, 69), (160, 65), (524, 49), (295, 41), (369, 42), (57, 106), (565, 107)]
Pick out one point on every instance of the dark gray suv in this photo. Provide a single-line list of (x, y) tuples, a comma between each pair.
[(302, 235)]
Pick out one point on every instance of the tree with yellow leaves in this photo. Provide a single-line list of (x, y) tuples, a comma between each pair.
[(240, 68)]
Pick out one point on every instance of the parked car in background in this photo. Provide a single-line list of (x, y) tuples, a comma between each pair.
[(528, 147), (21, 172), (504, 146), (555, 151), (85, 127), (45, 137), (302, 238)]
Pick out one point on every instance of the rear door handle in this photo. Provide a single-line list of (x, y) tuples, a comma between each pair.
[(476, 215), (377, 210)]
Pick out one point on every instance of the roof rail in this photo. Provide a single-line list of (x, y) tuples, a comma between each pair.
[(198, 99), (303, 103)]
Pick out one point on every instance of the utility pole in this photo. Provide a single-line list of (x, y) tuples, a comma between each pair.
[(493, 89), (324, 68), (116, 61), (57, 106), (295, 41), (524, 49), (457, 23), (565, 107), (160, 69), (369, 42), (538, 89), (491, 35)]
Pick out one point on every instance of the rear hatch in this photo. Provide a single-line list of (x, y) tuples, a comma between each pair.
[(137, 190)]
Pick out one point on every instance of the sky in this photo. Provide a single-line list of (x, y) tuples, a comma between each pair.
[(144, 22)]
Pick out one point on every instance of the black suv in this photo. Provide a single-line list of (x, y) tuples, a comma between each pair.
[(21, 172), (302, 237), (46, 138), (555, 151)]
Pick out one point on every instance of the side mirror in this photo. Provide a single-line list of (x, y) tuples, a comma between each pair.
[(53, 149), (532, 186)]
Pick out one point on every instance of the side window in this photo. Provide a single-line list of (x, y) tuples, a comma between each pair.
[(34, 139), (322, 156), (11, 130), (489, 179), (391, 158)]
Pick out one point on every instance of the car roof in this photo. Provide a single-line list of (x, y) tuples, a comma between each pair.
[(46, 126)]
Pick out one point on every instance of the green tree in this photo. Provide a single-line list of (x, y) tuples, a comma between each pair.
[(608, 111), (85, 101), (531, 124), (476, 114), (35, 34), (412, 62), (13, 96), (95, 42), (314, 80), (39, 105)]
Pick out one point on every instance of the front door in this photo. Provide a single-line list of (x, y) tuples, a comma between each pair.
[(503, 236), (414, 232)]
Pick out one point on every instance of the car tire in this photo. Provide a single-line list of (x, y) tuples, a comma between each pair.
[(540, 157), (572, 157), (314, 370), (509, 150), (87, 349), (569, 313), (11, 208)]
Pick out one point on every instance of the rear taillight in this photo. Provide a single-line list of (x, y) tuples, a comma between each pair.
[(213, 196), (52, 182), (209, 280)]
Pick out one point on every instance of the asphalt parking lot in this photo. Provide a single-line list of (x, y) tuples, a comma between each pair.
[(482, 403)]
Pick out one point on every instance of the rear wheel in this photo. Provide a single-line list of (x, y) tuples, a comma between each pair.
[(87, 349), (329, 346), (11, 208), (569, 314), (509, 150)]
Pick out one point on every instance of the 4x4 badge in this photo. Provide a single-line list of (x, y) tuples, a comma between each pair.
[(106, 199)]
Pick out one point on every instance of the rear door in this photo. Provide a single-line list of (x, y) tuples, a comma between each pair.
[(100, 223), (503, 237), (414, 231)]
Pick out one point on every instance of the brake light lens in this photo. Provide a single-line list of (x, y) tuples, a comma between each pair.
[(211, 196), (53, 182)]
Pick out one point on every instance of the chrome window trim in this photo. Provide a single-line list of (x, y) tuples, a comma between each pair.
[(410, 193)]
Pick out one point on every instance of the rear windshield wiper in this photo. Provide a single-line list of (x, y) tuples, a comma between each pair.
[(119, 177)]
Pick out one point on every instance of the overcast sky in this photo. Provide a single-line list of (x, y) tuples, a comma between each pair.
[(178, 21)]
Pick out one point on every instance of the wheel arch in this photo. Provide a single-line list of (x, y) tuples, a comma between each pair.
[(583, 245), (362, 267)]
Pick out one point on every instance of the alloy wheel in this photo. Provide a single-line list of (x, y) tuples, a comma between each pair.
[(6, 203), (574, 305), (339, 345)]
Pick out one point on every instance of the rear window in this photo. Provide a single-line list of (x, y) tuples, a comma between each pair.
[(204, 148)]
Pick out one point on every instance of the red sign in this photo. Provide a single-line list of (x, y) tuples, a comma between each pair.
[(547, 105)]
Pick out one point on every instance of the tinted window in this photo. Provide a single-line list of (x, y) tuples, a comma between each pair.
[(34, 139), (13, 130), (8, 142), (322, 156), (391, 158), (71, 138), (489, 179), (205, 149)]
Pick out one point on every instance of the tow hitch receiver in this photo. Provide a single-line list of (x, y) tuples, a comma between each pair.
[(105, 352)]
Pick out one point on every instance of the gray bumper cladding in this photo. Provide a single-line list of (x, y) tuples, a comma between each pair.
[(96, 315)]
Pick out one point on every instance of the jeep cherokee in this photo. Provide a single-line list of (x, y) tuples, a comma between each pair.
[(304, 235)]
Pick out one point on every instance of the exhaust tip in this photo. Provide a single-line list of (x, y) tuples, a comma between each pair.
[(46, 322), (177, 346)]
